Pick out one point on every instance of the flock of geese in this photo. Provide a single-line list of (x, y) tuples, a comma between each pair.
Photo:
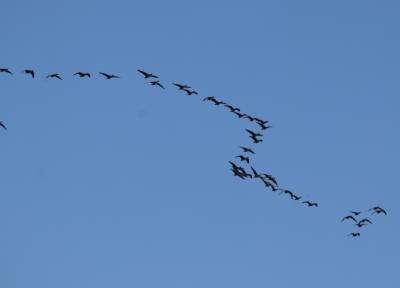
[(243, 172)]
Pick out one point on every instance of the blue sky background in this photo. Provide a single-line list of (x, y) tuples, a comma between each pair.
[(120, 184)]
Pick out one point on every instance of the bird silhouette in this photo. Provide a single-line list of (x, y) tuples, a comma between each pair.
[(217, 103), (359, 225), (54, 75), (239, 171), (310, 204), (295, 197), (190, 93), (258, 120), (238, 114), (290, 193), (5, 70), (147, 75), (3, 125), (256, 175), (156, 83), (377, 210), (181, 86), (349, 217), (82, 74), (109, 76), (255, 139), (270, 178), (30, 72), (355, 234), (252, 133), (263, 126), (269, 185), (245, 116), (243, 158), (231, 108), (365, 220), (356, 213), (209, 98), (249, 150)]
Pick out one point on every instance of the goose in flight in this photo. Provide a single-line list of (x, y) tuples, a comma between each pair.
[(147, 75), (54, 75), (255, 139), (238, 114), (310, 204), (5, 70), (190, 93), (355, 234), (245, 149), (365, 220), (270, 178), (156, 83), (30, 72), (356, 213), (109, 76), (181, 86), (244, 158), (82, 74), (252, 133), (349, 217), (377, 210), (2, 125), (231, 108)]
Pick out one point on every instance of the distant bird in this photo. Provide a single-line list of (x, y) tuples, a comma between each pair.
[(30, 72), (217, 103), (245, 149), (3, 125), (239, 171), (378, 210), (355, 234), (238, 114), (359, 225), (256, 175), (296, 197), (109, 76), (156, 83), (258, 120), (287, 192), (310, 204), (269, 185), (255, 140), (82, 74), (5, 70), (182, 86), (209, 98), (365, 220), (245, 116), (54, 75), (349, 217), (356, 213), (147, 75), (231, 108), (252, 133), (243, 158), (190, 93), (270, 178), (263, 127)]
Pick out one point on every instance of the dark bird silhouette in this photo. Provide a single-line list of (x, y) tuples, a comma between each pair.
[(356, 213), (296, 197), (359, 225), (290, 193), (259, 121), (217, 103), (365, 220), (109, 76), (245, 149), (252, 133), (256, 175), (269, 185), (239, 171), (377, 210), (270, 178), (54, 75), (238, 114), (156, 83), (263, 127), (30, 72), (355, 234), (245, 116), (182, 86), (147, 75), (231, 108), (190, 93), (243, 158), (255, 139), (209, 98), (82, 74), (349, 217), (5, 70), (3, 125), (310, 204)]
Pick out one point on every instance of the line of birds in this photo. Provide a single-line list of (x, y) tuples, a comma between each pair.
[(364, 221), (269, 181)]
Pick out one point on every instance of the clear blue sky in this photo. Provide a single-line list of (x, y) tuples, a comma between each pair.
[(120, 184)]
